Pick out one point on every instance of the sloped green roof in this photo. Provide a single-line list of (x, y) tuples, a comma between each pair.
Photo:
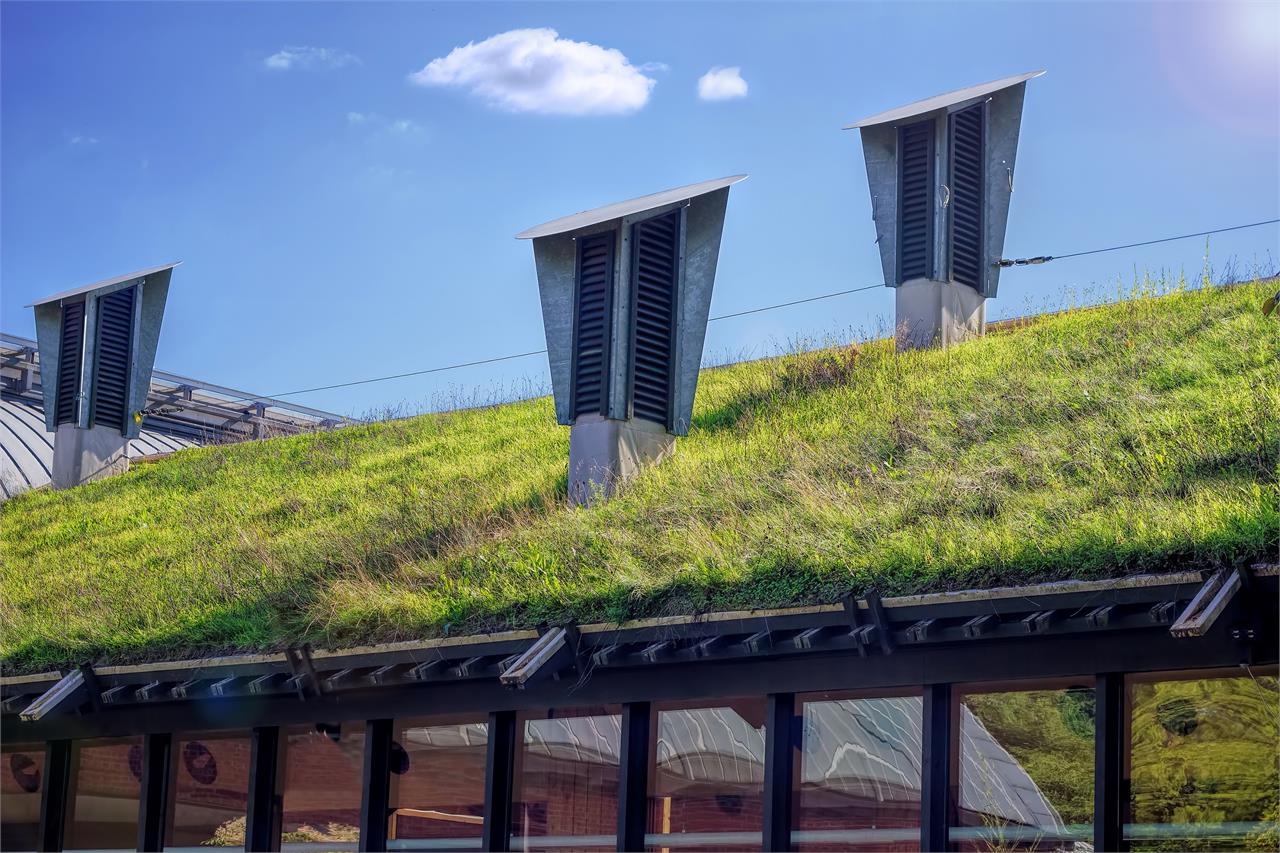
[(1139, 437)]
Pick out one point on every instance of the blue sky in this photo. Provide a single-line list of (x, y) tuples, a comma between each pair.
[(339, 217)]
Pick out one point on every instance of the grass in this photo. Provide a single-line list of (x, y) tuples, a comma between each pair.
[(1140, 437)]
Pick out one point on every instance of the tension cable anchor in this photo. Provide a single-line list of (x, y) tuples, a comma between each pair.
[(1024, 262)]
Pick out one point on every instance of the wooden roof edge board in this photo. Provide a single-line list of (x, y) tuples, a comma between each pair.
[(33, 678)]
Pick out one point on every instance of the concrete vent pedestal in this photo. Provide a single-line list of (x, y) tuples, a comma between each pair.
[(84, 455), (937, 313), (625, 292), (97, 348), (940, 173)]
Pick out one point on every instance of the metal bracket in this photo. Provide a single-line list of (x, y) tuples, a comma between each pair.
[(68, 693), (881, 621), (304, 671), (547, 654), (979, 625), (1038, 622), (1207, 605)]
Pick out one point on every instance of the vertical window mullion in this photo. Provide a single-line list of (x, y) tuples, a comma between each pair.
[(375, 796), (633, 772), (779, 761), (154, 788), (937, 766), (266, 777), (53, 799), (499, 775), (1108, 762)]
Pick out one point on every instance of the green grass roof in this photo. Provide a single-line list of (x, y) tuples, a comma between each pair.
[(1141, 437)]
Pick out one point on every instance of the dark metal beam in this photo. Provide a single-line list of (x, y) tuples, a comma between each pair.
[(783, 669), (154, 787), (779, 759), (266, 789), (633, 775), (53, 798), (376, 785), (936, 767), (1108, 763), (499, 775)]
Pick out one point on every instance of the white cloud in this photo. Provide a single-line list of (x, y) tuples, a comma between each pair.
[(306, 58), (536, 71), (722, 84), (356, 118), (80, 139)]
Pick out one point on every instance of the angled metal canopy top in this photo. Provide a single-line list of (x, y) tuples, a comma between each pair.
[(626, 208), (120, 279), (938, 102)]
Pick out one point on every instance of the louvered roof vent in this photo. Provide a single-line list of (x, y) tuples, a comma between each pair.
[(625, 290), (940, 172), (97, 347)]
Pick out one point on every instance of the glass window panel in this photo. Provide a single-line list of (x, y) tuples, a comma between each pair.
[(106, 786), (706, 778), (1202, 764), (323, 780), (566, 783), (858, 782), (437, 783), (21, 781), (210, 775), (1026, 767)]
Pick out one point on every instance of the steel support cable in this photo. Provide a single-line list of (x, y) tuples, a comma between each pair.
[(1004, 263)]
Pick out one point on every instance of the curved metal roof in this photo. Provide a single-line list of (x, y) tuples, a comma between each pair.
[(626, 208), (26, 450), (76, 291), (938, 102)]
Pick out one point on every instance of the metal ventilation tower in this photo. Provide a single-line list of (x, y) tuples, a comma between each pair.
[(97, 346), (941, 176), (626, 290)]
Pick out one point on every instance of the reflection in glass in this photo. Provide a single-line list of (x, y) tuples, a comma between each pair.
[(706, 780), (106, 784), (1202, 764), (437, 784), (566, 780), (322, 786), (21, 781), (858, 784), (1026, 769), (210, 774)]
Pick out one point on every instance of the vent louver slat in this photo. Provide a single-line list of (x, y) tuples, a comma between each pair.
[(591, 328), (70, 358), (966, 131), (112, 350), (655, 247), (915, 201)]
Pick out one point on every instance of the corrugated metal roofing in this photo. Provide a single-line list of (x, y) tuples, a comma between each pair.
[(26, 450), (76, 291), (626, 208), (938, 102)]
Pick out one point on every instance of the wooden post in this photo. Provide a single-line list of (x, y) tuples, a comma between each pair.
[(266, 789), (53, 798)]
